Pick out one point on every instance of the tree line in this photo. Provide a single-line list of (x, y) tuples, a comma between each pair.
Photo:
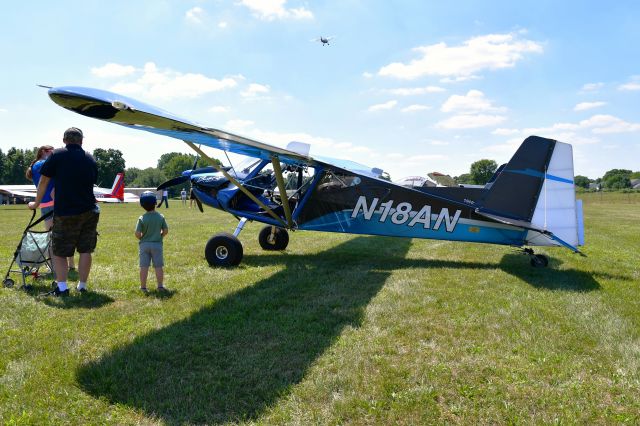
[(614, 179), (15, 161)]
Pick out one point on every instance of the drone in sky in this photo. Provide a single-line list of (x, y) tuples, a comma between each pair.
[(323, 40)]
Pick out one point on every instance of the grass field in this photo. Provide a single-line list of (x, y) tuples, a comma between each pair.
[(339, 329)]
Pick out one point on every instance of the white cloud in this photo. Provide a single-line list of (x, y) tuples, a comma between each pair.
[(438, 143), (367, 74), (384, 106), (195, 15), (410, 91), (223, 24), (112, 70), (270, 10), (3, 110), (583, 106), (219, 109), (630, 86), (505, 132), (415, 107), (168, 84), (254, 90), (238, 125), (591, 87), (468, 121), (609, 124), (473, 101), (488, 52)]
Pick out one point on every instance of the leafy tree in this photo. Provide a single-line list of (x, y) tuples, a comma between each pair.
[(617, 179), (482, 170), (165, 158), (149, 177), (3, 166), (110, 162), (617, 182), (178, 164), (130, 175), (582, 181), (15, 166), (463, 178), (635, 175)]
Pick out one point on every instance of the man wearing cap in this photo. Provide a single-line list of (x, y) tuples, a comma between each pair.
[(75, 213)]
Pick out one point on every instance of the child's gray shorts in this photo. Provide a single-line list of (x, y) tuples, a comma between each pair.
[(149, 251)]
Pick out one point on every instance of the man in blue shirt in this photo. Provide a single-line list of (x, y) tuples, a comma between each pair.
[(75, 213)]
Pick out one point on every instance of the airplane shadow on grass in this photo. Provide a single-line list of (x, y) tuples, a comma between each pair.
[(233, 359)]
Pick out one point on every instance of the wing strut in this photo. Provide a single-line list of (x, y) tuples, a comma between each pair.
[(236, 183), (283, 190)]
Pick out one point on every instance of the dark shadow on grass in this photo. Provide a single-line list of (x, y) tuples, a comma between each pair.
[(515, 264), (231, 360), (41, 291), (75, 300), (550, 277)]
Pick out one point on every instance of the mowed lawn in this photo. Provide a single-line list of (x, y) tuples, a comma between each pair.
[(338, 329)]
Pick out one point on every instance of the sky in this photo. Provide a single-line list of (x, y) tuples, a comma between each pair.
[(411, 87)]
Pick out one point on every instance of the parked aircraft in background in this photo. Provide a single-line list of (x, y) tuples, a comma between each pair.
[(529, 202), (115, 194)]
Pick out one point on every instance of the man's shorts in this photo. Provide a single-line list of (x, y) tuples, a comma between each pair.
[(77, 232), (151, 251)]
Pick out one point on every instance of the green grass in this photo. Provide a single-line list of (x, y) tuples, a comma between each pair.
[(339, 329)]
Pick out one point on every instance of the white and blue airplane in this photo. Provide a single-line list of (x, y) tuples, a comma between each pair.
[(530, 201)]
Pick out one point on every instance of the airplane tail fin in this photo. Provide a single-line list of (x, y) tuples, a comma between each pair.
[(117, 190), (536, 188)]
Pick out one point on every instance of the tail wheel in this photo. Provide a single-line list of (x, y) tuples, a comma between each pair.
[(273, 238), (539, 261), (223, 250)]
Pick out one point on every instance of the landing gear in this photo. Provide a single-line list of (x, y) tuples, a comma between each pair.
[(223, 250), (536, 260), (273, 238)]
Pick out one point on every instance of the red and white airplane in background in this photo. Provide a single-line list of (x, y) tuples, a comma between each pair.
[(105, 195), (116, 194)]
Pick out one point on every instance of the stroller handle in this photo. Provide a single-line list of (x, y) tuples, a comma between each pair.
[(43, 217)]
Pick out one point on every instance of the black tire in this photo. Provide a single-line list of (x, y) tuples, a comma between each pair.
[(539, 261), (223, 250), (279, 241), (8, 282)]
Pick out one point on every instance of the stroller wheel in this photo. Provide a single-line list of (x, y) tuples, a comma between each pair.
[(27, 287), (8, 282)]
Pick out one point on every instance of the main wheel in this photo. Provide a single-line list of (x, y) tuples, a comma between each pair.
[(273, 238), (539, 261), (8, 282), (223, 250)]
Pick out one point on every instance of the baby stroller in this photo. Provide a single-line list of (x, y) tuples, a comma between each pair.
[(31, 254)]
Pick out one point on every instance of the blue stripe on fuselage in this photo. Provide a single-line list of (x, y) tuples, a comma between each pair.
[(343, 222)]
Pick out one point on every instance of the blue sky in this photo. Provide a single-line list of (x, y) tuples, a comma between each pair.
[(411, 86)]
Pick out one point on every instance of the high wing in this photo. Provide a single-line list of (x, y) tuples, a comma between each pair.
[(28, 191), (122, 110)]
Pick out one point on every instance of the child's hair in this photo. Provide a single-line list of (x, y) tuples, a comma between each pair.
[(148, 200)]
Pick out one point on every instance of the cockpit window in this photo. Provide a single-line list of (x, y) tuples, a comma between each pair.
[(334, 180)]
